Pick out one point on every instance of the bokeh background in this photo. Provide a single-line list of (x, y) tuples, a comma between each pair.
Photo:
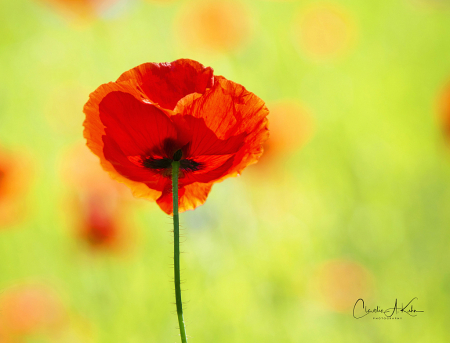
[(351, 199)]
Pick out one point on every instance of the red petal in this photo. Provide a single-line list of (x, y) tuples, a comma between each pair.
[(129, 170), (137, 127), (214, 168), (93, 127), (202, 140), (166, 83), (189, 197)]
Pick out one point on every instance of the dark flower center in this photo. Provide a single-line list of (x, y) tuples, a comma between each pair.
[(186, 165), (160, 163), (190, 165)]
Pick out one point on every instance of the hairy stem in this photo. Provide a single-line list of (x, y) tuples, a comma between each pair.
[(176, 249)]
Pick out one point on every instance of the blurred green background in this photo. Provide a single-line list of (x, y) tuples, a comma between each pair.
[(351, 200)]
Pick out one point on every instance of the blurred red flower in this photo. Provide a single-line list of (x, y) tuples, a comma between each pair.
[(99, 223), (136, 125), (99, 205)]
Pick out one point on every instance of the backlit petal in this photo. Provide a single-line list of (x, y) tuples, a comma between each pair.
[(94, 130), (138, 128), (125, 167), (203, 140), (166, 83), (214, 167), (189, 197), (230, 111)]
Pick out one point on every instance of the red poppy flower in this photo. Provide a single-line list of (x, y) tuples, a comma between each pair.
[(156, 111)]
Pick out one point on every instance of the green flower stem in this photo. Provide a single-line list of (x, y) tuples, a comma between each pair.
[(176, 249)]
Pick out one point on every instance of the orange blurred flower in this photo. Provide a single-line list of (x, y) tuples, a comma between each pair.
[(444, 110), (214, 25), (291, 126), (29, 309), (323, 31), (156, 111), (14, 179), (341, 282)]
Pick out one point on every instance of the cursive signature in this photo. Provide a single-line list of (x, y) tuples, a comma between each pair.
[(360, 308)]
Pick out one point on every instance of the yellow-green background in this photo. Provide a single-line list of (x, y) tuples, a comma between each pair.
[(372, 186)]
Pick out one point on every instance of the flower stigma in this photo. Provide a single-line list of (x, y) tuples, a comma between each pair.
[(178, 154)]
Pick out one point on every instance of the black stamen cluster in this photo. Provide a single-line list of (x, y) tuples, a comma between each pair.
[(190, 165), (187, 165), (157, 163)]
